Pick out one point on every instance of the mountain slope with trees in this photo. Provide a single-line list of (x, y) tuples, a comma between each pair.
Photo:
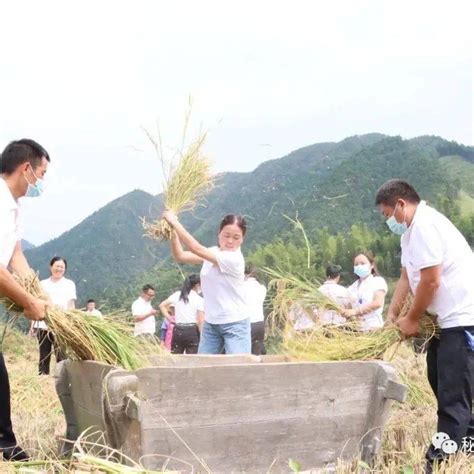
[(329, 186)]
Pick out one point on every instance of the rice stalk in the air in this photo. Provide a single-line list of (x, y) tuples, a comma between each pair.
[(187, 179), (329, 342), (84, 337)]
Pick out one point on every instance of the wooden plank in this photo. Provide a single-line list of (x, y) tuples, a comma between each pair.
[(270, 391), (86, 379), (253, 447), (196, 360)]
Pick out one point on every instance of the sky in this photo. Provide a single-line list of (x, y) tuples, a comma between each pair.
[(266, 77)]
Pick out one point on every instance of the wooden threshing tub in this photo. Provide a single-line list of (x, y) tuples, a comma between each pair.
[(232, 413)]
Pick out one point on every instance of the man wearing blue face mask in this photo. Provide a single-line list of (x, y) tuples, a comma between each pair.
[(23, 165), (438, 268)]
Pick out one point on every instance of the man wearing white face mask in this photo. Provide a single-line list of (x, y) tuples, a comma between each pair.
[(438, 268), (23, 165)]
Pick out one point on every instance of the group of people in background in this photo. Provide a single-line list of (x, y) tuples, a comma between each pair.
[(363, 301), (437, 268), (184, 316)]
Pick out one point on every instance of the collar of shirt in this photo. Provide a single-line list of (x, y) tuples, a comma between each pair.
[(419, 210), (366, 280), (5, 193)]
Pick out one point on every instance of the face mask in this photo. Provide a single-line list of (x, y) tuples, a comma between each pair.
[(395, 226), (362, 270), (35, 190)]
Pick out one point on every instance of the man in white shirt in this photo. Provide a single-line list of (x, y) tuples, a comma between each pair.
[(23, 165), (144, 314), (338, 293), (91, 309), (438, 267)]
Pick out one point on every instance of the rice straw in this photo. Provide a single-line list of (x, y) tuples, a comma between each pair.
[(81, 336)]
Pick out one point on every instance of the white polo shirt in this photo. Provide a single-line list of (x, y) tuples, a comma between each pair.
[(223, 287), (148, 325), (10, 232), (340, 295), (60, 293), (95, 312), (432, 239), (255, 294), (186, 313), (362, 293)]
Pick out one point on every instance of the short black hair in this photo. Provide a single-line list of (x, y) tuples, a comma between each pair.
[(58, 259), (19, 152), (90, 301), (393, 190), (333, 271), (147, 287)]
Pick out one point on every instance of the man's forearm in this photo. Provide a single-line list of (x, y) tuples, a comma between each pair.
[(424, 295), (398, 299), (19, 264), (140, 318), (12, 290)]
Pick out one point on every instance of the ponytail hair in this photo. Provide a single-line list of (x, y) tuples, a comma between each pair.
[(189, 283)]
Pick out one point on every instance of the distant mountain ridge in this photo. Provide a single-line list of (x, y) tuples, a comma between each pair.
[(327, 185), (25, 245)]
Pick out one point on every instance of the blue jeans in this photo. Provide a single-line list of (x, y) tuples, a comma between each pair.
[(233, 337)]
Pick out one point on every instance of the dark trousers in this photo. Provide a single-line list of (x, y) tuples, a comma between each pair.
[(7, 438), (185, 339), (258, 336), (451, 376), (46, 346)]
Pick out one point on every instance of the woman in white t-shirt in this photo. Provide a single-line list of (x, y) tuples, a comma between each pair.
[(227, 322), (256, 293), (62, 293), (188, 316), (367, 294)]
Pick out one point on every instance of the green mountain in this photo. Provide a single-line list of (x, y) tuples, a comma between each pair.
[(106, 250), (328, 185), (27, 245)]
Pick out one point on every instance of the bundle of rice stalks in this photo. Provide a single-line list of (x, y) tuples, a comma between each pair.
[(347, 343), (294, 293), (187, 179), (84, 337), (330, 342)]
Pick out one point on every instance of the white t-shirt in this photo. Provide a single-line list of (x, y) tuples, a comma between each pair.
[(60, 293), (362, 292), (223, 287), (10, 232), (94, 312), (186, 313), (148, 325), (432, 240), (340, 295), (255, 294), (301, 321)]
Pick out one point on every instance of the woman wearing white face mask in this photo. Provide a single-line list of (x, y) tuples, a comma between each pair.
[(367, 293)]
